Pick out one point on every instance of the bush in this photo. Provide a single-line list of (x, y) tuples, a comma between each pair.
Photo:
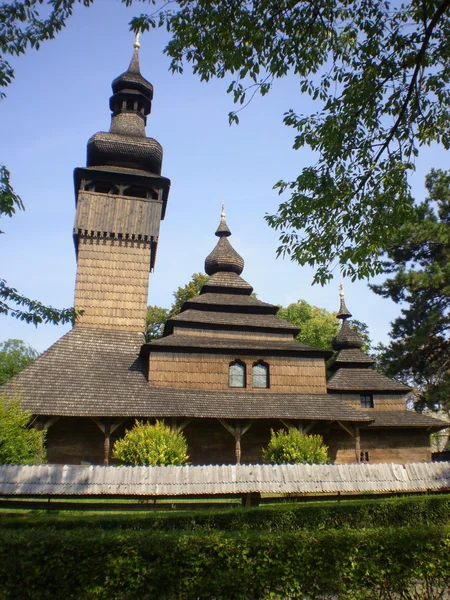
[(295, 447), (383, 563), (409, 512), (19, 444), (151, 445)]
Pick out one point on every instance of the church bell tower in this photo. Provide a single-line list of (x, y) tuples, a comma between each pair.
[(121, 198)]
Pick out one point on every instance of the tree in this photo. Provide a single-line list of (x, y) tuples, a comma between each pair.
[(379, 73), (20, 444), (295, 447), (15, 355), (155, 319), (151, 445), (22, 26), (419, 261), (318, 326)]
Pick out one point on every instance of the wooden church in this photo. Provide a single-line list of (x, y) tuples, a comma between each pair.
[(227, 369)]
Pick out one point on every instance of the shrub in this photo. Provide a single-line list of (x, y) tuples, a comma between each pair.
[(19, 444), (410, 512), (295, 447), (383, 563), (151, 445)]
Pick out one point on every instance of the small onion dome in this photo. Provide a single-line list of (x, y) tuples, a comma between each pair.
[(347, 338), (224, 257)]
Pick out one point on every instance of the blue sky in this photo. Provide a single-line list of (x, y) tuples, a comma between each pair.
[(59, 98)]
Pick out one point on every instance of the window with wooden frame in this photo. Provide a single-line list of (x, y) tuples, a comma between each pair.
[(366, 400), (260, 375), (236, 374)]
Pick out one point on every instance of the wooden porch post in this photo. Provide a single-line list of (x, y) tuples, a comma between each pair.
[(357, 444), (107, 444), (237, 437), (107, 427), (237, 431)]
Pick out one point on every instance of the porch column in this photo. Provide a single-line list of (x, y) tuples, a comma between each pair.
[(107, 427), (237, 430)]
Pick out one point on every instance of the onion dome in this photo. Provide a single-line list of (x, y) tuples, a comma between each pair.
[(126, 145), (224, 257)]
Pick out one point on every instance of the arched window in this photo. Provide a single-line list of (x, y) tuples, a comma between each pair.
[(236, 374), (260, 375)]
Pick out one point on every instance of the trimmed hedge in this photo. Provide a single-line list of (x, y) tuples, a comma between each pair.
[(383, 563), (400, 511)]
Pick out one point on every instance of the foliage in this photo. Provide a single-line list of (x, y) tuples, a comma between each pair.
[(155, 319), (151, 445), (322, 515), (383, 563), (295, 447), (9, 200), (19, 443), (23, 25), (319, 326), (379, 73), (15, 355), (419, 260)]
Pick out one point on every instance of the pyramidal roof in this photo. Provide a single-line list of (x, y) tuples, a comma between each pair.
[(352, 367), (225, 315)]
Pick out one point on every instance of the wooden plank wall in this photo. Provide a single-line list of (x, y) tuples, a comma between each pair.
[(383, 445), (112, 283), (383, 402), (210, 372), (117, 214)]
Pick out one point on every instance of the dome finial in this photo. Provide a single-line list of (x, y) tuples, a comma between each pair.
[(222, 215), (136, 44)]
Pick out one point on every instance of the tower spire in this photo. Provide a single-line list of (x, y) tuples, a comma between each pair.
[(223, 230), (343, 313)]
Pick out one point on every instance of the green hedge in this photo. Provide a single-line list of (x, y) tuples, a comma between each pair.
[(406, 511), (381, 563)]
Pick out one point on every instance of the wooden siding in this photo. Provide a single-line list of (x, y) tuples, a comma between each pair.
[(238, 335), (210, 372), (72, 440), (393, 445), (82, 481), (381, 402), (105, 213), (112, 283)]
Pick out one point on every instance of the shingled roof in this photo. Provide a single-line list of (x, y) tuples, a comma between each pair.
[(405, 418), (99, 373), (352, 367), (225, 306)]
